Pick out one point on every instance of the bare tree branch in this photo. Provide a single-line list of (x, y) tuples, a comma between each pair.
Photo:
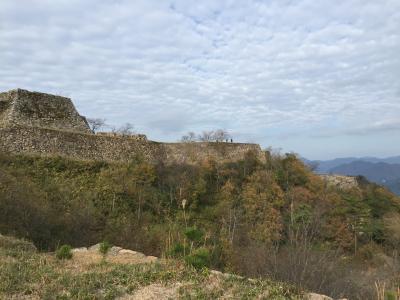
[(126, 129), (96, 123)]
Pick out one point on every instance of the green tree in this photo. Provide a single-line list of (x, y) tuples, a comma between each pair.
[(262, 199)]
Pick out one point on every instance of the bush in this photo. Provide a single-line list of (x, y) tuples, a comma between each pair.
[(12, 243), (64, 252), (176, 251), (194, 234), (104, 247), (199, 259), (369, 251), (391, 295)]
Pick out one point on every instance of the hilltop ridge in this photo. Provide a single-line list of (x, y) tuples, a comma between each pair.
[(43, 124)]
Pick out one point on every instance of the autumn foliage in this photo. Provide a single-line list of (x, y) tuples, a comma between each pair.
[(261, 209)]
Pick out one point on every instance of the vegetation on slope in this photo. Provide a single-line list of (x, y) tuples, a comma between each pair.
[(27, 274), (272, 219)]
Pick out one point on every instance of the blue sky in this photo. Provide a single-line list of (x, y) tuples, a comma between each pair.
[(320, 78)]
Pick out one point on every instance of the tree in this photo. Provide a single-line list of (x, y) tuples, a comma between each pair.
[(96, 123), (358, 216), (262, 199), (189, 137), (124, 194), (228, 209), (392, 226), (126, 129), (220, 135), (206, 136)]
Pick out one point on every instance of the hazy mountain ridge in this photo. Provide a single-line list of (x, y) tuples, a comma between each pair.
[(385, 171), (325, 166), (377, 172)]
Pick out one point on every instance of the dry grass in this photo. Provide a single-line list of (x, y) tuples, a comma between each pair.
[(26, 274)]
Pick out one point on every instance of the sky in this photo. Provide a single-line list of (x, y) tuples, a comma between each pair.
[(319, 78)]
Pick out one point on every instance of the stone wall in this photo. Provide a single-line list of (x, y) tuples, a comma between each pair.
[(135, 136), (340, 181), (33, 109), (43, 124), (43, 141), (192, 152)]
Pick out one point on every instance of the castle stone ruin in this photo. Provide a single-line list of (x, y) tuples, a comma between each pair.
[(42, 124), (340, 181), (32, 109)]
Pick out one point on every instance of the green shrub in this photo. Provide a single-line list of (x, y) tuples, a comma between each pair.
[(64, 252), (177, 250), (391, 295), (104, 247), (194, 234), (199, 259)]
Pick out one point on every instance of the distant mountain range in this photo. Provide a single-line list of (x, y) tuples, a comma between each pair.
[(384, 171)]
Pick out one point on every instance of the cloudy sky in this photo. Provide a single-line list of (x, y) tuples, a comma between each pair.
[(320, 78)]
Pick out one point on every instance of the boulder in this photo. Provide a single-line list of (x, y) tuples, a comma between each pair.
[(226, 275), (128, 252), (94, 247), (152, 258), (114, 250), (81, 249), (314, 296)]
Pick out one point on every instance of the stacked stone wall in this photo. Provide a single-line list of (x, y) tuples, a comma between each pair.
[(222, 152), (48, 142), (33, 109), (340, 181), (43, 124)]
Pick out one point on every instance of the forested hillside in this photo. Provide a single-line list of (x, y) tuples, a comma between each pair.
[(275, 219)]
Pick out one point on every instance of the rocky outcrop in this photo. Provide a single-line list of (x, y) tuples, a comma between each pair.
[(114, 254)]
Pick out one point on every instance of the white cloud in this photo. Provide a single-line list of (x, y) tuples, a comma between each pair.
[(249, 66)]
